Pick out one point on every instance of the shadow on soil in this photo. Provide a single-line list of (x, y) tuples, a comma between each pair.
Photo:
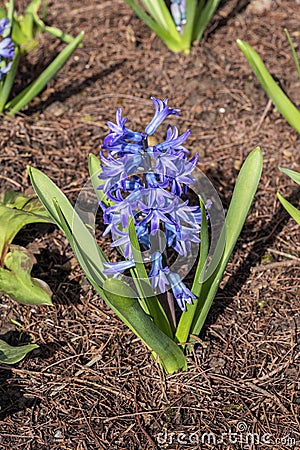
[(75, 88), (269, 231), (12, 397)]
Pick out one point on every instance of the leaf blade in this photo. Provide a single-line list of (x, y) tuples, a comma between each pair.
[(39, 84), (291, 209), (280, 100), (242, 197), (12, 355), (170, 354)]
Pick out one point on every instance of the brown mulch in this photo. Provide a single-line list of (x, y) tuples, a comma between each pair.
[(92, 384)]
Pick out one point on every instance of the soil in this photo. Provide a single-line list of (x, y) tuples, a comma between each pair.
[(92, 384)]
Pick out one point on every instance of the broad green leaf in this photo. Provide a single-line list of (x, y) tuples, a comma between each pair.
[(15, 279), (242, 197), (12, 355), (40, 83), (27, 26), (292, 210), (170, 355), (26, 203), (16, 211), (280, 100), (67, 220), (89, 265), (295, 176)]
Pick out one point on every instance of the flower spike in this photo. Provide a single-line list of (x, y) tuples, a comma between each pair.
[(146, 183)]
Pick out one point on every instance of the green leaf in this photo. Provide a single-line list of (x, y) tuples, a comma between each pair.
[(40, 83), (67, 219), (89, 265), (9, 80), (296, 61), (27, 24), (187, 35), (295, 176), (242, 197), (161, 14), (59, 34), (94, 171), (12, 355), (16, 211), (33, 6), (56, 32), (2, 13), (170, 355), (280, 100), (292, 210), (15, 279), (202, 17), (28, 204), (172, 43), (20, 38), (10, 10)]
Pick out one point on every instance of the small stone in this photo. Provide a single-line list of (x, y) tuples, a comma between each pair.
[(237, 164), (57, 109), (259, 6)]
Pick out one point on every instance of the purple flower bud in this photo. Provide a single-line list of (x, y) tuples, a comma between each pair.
[(182, 294), (7, 48), (162, 111), (4, 25)]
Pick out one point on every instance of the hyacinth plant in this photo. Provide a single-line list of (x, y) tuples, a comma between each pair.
[(178, 25), (162, 214), (282, 102), (18, 35)]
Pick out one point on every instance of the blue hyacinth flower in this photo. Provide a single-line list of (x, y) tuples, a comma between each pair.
[(7, 49), (146, 184)]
